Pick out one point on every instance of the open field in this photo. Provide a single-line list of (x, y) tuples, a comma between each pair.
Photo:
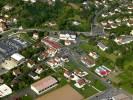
[(64, 93)]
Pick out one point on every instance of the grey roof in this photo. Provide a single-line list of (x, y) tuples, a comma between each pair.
[(101, 45), (32, 74), (10, 46), (127, 38)]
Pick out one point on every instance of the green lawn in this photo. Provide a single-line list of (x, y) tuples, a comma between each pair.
[(86, 91), (88, 47), (128, 88), (26, 98), (126, 81), (95, 82), (27, 38), (71, 65)]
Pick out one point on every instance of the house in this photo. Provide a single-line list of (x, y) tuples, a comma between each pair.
[(44, 85), (80, 74), (76, 76), (64, 58), (89, 62), (32, 1), (85, 3), (7, 7), (50, 43), (130, 23), (35, 36), (114, 25), (111, 13), (131, 32), (42, 56), (51, 52), (34, 76), (102, 46), (117, 10), (39, 70), (18, 58), (94, 55), (70, 75), (67, 74), (130, 11), (123, 39), (118, 20), (55, 62), (30, 63), (76, 23), (80, 83), (102, 71), (125, 19), (71, 36), (16, 72), (104, 15), (67, 42), (130, 7), (110, 21), (51, 2), (3, 26), (104, 23), (5, 90)]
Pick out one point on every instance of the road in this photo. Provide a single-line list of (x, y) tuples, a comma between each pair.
[(108, 94), (8, 32)]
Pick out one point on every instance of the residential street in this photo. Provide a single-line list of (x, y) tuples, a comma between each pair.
[(108, 94)]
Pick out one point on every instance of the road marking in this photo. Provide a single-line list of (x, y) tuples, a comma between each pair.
[(95, 88)]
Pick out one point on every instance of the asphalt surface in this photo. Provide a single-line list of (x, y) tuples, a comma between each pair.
[(108, 94)]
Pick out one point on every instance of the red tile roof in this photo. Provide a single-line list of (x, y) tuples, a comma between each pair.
[(51, 43)]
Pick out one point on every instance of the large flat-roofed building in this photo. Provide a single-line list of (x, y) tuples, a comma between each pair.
[(15, 60), (44, 85), (5, 90), (17, 57), (10, 46)]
